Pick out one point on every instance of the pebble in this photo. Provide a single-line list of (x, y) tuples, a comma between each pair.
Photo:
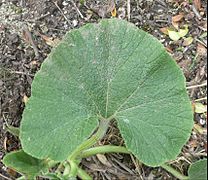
[(75, 22)]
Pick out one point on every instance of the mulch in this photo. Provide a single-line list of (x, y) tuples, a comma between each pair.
[(28, 30)]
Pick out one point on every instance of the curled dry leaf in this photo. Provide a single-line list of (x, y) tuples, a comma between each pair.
[(197, 4), (164, 30), (177, 18), (102, 158), (175, 25), (201, 50), (50, 40), (188, 41), (11, 172), (114, 12)]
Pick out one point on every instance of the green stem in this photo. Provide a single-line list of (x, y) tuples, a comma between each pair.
[(67, 170), (51, 163), (73, 169), (174, 172), (92, 140), (83, 175), (103, 150)]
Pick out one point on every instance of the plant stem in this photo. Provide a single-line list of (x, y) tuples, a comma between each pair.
[(174, 172), (83, 175), (73, 169), (103, 150), (67, 170), (51, 163), (92, 140)]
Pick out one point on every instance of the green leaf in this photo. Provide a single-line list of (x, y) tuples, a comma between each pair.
[(174, 35), (111, 69), (200, 108), (183, 32), (198, 170), (24, 164)]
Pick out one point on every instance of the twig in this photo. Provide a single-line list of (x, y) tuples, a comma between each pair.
[(196, 12), (201, 99), (136, 164), (78, 11), (201, 42), (4, 177), (22, 73), (56, 4), (38, 18), (29, 36), (129, 9), (197, 86)]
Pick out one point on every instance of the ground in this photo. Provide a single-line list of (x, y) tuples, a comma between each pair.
[(28, 31)]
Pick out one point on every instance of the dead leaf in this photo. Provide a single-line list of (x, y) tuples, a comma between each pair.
[(11, 172), (169, 49), (193, 143), (201, 50), (114, 12), (175, 25), (178, 17), (188, 41), (25, 36), (197, 4), (25, 99), (111, 6), (103, 160), (164, 30), (205, 146), (50, 40)]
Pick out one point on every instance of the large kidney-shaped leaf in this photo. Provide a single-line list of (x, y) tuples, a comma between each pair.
[(198, 170), (110, 69), (25, 164)]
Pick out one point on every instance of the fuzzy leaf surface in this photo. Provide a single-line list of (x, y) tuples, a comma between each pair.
[(24, 163), (109, 69), (198, 170)]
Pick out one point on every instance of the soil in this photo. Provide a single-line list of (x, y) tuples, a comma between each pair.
[(28, 31)]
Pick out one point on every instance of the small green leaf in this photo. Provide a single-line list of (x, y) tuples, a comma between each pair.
[(174, 35), (198, 170), (24, 163), (200, 108), (183, 32)]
